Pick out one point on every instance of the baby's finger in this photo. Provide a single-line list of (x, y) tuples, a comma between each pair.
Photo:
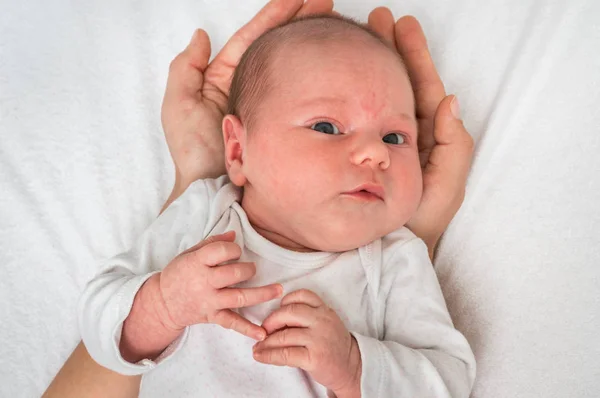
[(285, 338), (228, 236), (303, 296), (216, 253), (245, 297), (231, 320), (230, 274), (381, 20), (292, 315), (297, 357), (311, 7)]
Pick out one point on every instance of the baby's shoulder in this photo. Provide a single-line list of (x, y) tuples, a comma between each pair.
[(207, 186), (213, 192), (402, 248), (202, 202), (399, 239)]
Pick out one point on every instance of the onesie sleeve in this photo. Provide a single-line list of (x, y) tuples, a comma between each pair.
[(107, 299), (419, 353)]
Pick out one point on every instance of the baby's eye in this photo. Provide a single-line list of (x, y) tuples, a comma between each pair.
[(325, 127), (394, 138)]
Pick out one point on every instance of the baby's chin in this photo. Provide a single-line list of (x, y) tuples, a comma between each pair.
[(349, 239)]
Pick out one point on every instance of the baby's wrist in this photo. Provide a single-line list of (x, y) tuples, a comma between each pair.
[(352, 389), (147, 331)]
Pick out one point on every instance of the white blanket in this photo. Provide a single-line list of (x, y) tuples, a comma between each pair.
[(84, 169)]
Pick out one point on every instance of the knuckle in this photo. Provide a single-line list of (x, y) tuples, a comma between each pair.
[(251, 268), (285, 354), (292, 309), (237, 272), (282, 336), (227, 323), (241, 298), (219, 248)]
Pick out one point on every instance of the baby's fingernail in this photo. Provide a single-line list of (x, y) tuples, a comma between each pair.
[(455, 108), (260, 336)]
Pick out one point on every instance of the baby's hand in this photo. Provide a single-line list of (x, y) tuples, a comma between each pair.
[(193, 288), (306, 334)]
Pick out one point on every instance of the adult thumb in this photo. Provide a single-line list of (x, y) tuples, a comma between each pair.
[(448, 125)]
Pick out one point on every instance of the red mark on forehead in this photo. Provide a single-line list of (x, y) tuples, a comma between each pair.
[(370, 104)]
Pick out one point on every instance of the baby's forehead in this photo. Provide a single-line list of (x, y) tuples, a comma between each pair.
[(270, 59)]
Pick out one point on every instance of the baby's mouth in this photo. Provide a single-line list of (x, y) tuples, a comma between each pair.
[(366, 192)]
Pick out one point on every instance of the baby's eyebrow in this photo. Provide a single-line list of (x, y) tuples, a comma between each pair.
[(324, 100), (405, 117)]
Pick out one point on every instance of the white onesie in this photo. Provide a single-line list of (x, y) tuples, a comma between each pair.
[(386, 293)]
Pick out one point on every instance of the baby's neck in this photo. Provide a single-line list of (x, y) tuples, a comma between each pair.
[(278, 239)]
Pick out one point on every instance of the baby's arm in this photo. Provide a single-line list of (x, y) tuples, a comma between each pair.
[(420, 353), (132, 311), (108, 298), (193, 288)]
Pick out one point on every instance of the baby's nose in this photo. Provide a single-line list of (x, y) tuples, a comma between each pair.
[(373, 153)]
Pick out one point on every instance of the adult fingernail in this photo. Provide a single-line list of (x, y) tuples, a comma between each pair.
[(455, 108)]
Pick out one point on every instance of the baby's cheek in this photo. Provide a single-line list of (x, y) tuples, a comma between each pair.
[(417, 189), (409, 189)]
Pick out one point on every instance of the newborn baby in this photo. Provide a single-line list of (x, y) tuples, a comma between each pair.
[(323, 172)]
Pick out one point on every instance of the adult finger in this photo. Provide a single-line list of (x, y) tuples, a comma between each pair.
[(285, 338), (245, 297), (230, 274), (427, 85), (274, 13), (187, 68), (297, 357), (302, 296), (444, 175), (234, 321), (381, 20), (292, 315), (228, 236), (454, 150), (311, 7)]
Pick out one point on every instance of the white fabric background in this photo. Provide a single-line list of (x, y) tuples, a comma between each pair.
[(84, 168)]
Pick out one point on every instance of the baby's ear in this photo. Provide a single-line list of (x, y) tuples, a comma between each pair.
[(234, 136)]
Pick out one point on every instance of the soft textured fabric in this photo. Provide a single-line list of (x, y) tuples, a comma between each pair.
[(84, 170), (386, 293)]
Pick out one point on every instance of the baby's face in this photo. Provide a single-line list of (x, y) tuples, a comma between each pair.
[(331, 160)]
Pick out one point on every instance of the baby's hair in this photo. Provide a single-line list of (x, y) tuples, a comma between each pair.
[(251, 79)]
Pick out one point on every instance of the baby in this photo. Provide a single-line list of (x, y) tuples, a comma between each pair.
[(323, 172)]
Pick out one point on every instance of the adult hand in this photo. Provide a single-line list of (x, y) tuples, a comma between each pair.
[(196, 95), (445, 146)]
